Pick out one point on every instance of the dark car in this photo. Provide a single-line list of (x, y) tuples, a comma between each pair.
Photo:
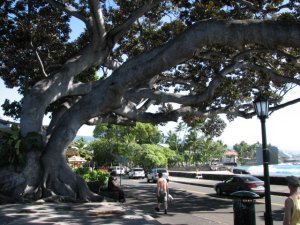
[(241, 183)]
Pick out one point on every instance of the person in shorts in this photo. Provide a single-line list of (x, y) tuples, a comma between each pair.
[(162, 193)]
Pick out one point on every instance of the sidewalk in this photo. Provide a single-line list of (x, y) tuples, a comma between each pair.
[(72, 214)]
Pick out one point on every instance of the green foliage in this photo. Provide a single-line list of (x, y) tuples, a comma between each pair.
[(245, 151), (23, 23), (82, 149), (104, 151), (80, 143), (207, 150), (82, 170), (194, 148), (12, 109), (116, 140), (155, 156), (173, 141), (142, 133), (214, 126), (107, 148), (132, 152), (95, 175), (86, 154), (11, 153), (14, 139)]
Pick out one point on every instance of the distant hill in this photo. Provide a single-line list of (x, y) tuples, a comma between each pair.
[(86, 138)]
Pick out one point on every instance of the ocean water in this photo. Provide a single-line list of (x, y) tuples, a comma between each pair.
[(278, 170)]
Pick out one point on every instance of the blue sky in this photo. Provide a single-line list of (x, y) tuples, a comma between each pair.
[(282, 126)]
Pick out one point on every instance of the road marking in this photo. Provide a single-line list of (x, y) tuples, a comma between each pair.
[(210, 219), (204, 193), (197, 192), (275, 204)]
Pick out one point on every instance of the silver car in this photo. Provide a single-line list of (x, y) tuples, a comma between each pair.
[(153, 175), (136, 173)]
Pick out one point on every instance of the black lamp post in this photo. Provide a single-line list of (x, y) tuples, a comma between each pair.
[(261, 106)]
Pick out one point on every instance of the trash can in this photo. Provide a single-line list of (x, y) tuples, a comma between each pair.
[(244, 207)]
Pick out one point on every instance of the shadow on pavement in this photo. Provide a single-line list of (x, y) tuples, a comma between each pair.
[(209, 208), (143, 198)]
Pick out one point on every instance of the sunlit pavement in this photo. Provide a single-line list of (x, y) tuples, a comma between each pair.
[(71, 214)]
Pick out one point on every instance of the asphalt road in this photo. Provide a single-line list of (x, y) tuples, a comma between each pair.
[(193, 204)]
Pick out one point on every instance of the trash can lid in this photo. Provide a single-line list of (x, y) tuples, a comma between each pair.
[(245, 194)]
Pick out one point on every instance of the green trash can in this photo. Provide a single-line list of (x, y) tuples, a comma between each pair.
[(244, 207)]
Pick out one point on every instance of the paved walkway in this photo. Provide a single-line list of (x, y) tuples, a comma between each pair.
[(71, 214)]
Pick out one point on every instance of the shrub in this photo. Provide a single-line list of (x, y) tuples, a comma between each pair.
[(95, 175)]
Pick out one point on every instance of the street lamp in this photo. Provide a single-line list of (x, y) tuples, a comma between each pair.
[(261, 106)]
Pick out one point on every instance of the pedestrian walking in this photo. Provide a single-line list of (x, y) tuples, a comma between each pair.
[(292, 203), (162, 193)]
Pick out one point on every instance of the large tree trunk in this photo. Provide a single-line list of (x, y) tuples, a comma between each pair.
[(43, 179), (46, 174), (59, 179)]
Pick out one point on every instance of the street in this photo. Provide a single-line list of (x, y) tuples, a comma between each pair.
[(193, 204)]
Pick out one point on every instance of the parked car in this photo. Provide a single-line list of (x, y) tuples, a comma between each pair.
[(241, 183), (136, 173), (153, 174), (119, 170)]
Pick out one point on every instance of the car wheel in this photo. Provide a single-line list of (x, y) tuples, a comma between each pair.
[(148, 181), (153, 181), (219, 191)]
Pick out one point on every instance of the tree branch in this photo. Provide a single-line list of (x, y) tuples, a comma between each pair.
[(82, 88), (248, 4), (70, 12), (111, 119), (112, 64), (98, 20), (283, 105), (119, 31), (207, 94), (39, 60), (275, 77), (142, 68), (162, 117)]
